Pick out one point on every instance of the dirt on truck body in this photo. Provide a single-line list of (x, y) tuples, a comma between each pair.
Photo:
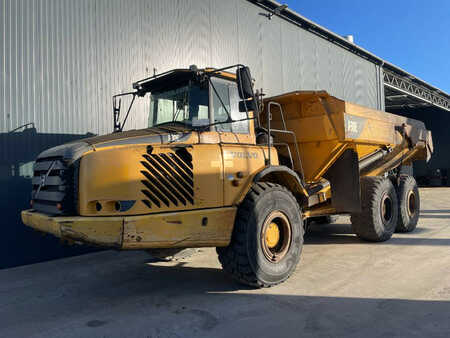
[(220, 166)]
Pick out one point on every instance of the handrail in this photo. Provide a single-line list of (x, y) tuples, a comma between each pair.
[(285, 131), (25, 126)]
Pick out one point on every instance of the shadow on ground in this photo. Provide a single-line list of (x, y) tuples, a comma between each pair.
[(434, 216), (436, 211), (341, 233), (124, 296)]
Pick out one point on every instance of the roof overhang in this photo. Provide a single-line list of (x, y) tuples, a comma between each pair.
[(416, 88), (160, 82), (180, 76)]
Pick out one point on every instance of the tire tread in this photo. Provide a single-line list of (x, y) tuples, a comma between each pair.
[(364, 223), (405, 223), (234, 258)]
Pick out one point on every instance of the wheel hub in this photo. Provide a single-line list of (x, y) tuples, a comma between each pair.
[(272, 235), (411, 203), (386, 208), (276, 236)]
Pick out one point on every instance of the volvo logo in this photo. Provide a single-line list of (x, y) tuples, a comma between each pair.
[(42, 181)]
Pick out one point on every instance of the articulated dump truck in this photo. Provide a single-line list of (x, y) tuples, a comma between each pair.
[(221, 166)]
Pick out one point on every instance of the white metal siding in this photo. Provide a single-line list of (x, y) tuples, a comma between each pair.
[(61, 60)]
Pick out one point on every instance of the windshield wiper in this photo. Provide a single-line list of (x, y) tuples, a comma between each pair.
[(183, 103)]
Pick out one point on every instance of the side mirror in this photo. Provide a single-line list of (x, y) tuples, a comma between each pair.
[(244, 83), (250, 104)]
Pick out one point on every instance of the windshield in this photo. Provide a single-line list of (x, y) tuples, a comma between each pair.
[(186, 104)]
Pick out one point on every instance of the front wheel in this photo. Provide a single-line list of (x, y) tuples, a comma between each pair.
[(267, 237)]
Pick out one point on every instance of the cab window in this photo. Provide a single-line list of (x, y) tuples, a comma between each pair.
[(187, 104), (228, 101)]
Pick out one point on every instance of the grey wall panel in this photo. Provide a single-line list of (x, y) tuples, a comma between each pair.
[(372, 89), (308, 64), (337, 72), (224, 24), (194, 33), (348, 80), (291, 61), (62, 60), (3, 117), (8, 41), (380, 88), (272, 56), (160, 35), (251, 39), (358, 81), (323, 64)]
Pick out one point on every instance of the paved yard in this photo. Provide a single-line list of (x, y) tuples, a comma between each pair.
[(342, 287)]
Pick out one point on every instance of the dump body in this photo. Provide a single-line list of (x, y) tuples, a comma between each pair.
[(326, 126)]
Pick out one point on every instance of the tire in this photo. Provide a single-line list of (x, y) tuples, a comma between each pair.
[(379, 210), (408, 204), (253, 257)]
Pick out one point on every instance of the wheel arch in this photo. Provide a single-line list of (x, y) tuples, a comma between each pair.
[(284, 176)]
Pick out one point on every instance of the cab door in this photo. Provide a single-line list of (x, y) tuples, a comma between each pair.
[(241, 156), (208, 175)]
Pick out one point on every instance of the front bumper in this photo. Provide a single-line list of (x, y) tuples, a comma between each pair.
[(194, 228), (103, 231)]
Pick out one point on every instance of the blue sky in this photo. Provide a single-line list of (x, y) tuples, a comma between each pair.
[(414, 34)]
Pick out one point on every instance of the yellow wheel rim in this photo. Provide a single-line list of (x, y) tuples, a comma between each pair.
[(276, 235), (272, 235), (411, 202)]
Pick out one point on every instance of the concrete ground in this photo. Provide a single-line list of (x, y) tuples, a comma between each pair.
[(342, 287)]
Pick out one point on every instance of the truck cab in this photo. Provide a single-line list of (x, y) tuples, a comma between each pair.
[(193, 163)]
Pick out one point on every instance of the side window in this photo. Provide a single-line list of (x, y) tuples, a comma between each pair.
[(240, 127), (219, 104), (229, 98)]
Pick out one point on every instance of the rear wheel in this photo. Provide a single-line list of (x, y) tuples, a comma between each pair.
[(267, 237), (408, 204), (379, 210)]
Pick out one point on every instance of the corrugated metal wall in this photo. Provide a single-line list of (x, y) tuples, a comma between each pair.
[(61, 60)]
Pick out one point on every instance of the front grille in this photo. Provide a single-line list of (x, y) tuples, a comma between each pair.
[(54, 183), (167, 179)]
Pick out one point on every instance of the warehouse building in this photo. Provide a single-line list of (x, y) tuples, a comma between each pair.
[(62, 60)]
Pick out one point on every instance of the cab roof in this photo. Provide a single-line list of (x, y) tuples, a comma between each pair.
[(160, 82)]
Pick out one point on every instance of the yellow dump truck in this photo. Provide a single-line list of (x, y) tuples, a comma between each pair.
[(221, 166)]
